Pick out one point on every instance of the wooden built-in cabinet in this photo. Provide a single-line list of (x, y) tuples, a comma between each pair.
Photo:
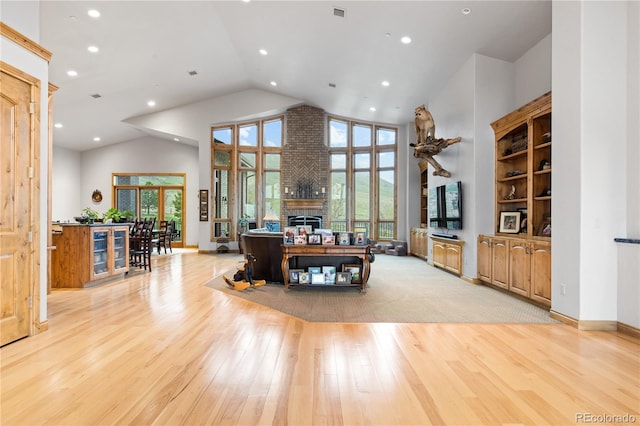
[(447, 254), (419, 242), (518, 265), (85, 255), (424, 194), (520, 260)]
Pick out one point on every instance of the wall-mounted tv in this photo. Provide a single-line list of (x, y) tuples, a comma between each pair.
[(453, 205), (445, 206)]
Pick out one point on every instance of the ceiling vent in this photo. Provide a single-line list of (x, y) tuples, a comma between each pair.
[(96, 96), (194, 72), (338, 12)]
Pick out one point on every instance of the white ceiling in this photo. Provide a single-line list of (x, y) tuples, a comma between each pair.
[(147, 49)]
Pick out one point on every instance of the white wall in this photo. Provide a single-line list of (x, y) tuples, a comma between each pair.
[(144, 155), (65, 184), (26, 18), (533, 72), (595, 95)]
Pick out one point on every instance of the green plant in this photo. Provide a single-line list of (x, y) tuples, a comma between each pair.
[(90, 213), (114, 214)]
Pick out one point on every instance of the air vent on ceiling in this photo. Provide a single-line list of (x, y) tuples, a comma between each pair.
[(96, 95), (338, 12), (194, 72), (333, 85)]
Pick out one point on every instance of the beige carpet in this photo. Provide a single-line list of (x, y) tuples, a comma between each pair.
[(401, 290)]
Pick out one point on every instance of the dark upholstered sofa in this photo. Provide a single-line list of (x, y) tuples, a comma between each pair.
[(266, 248)]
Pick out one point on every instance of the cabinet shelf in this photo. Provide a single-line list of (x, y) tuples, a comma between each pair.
[(514, 155), (542, 145), (512, 178), (545, 198), (515, 200), (542, 172)]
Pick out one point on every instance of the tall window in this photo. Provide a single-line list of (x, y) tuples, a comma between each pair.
[(245, 174), (363, 172)]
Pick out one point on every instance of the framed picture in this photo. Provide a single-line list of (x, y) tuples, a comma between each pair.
[(314, 239), (314, 270), (204, 205), (344, 239), (304, 278), (289, 234), (360, 238), (300, 240), (545, 227), (317, 278), (328, 240), (304, 229), (294, 275), (323, 232), (343, 278), (510, 222), (329, 273), (355, 271)]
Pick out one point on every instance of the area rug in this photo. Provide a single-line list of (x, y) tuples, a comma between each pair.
[(400, 290)]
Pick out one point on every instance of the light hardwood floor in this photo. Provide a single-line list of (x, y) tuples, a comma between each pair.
[(161, 348)]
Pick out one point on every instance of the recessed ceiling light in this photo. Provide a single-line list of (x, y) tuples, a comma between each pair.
[(96, 139), (72, 73), (93, 13), (176, 139), (372, 109), (246, 1), (273, 83), (387, 34), (58, 125), (263, 52), (385, 83), (151, 103), (93, 49), (406, 39), (466, 11)]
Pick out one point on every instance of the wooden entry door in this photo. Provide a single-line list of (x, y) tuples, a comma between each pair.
[(16, 148)]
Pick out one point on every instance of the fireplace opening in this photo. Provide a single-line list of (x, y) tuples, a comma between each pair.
[(314, 221)]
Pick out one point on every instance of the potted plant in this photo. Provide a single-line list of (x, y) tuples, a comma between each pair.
[(112, 215), (90, 214)]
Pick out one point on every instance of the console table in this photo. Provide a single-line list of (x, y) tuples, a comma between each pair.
[(291, 251)]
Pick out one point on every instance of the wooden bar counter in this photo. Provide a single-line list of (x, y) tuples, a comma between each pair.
[(87, 255)]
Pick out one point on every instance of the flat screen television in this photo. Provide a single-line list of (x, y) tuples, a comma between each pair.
[(435, 208), (453, 205)]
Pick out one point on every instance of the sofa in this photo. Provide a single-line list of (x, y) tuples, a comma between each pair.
[(266, 248)]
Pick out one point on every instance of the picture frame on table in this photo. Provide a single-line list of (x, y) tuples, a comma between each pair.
[(323, 231), (294, 275), (300, 240), (304, 278), (329, 274), (314, 269), (360, 238), (343, 278), (288, 235), (304, 229), (314, 239), (344, 239), (317, 278), (355, 270), (328, 240), (510, 222)]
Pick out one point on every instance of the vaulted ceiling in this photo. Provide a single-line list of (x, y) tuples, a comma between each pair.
[(149, 49)]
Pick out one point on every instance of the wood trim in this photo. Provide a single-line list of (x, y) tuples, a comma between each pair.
[(299, 204), (563, 318), (629, 330), (25, 42), (470, 280), (591, 325)]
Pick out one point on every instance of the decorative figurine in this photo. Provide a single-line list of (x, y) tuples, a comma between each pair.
[(512, 193), (427, 145), (243, 279)]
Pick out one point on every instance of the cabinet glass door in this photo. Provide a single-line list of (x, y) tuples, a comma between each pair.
[(119, 249), (99, 253)]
